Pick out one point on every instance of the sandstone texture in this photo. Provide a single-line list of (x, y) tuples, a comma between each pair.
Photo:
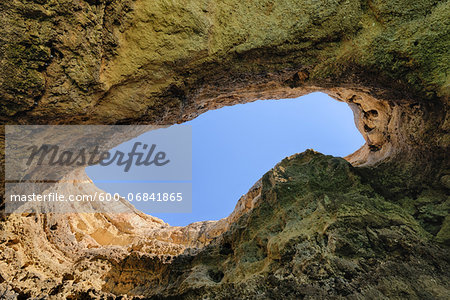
[(373, 226)]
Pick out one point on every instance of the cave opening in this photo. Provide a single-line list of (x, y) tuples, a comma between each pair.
[(232, 147)]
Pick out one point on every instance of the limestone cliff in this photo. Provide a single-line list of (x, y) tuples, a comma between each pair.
[(314, 226)]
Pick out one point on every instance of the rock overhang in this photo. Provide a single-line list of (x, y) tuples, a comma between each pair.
[(126, 62)]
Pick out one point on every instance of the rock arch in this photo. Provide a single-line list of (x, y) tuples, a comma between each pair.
[(165, 62)]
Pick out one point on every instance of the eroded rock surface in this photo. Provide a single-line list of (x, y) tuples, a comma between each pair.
[(316, 229), (165, 61), (314, 226)]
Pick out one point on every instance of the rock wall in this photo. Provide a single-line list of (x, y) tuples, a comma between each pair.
[(314, 226), (166, 61)]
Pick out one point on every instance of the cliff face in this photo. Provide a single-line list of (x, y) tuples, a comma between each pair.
[(316, 231), (314, 226), (311, 227)]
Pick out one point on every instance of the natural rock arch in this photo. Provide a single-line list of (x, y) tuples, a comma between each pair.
[(165, 62)]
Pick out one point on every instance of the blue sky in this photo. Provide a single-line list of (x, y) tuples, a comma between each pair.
[(233, 147)]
